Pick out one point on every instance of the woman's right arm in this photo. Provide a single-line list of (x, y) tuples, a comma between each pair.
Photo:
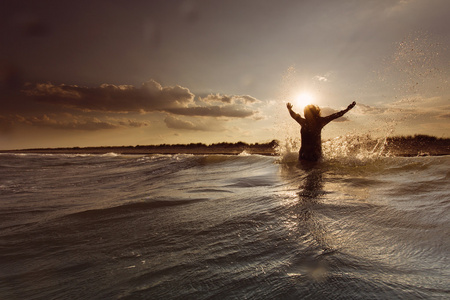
[(294, 115)]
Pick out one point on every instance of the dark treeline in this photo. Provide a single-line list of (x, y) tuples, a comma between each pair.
[(397, 145), (418, 138), (272, 144), (419, 144)]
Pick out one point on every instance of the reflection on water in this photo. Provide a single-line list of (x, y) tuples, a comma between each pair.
[(366, 225), (309, 194), (306, 224)]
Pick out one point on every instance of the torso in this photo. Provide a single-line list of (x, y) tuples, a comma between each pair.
[(311, 148)]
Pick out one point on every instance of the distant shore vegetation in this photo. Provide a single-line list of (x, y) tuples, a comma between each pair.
[(410, 145), (272, 144)]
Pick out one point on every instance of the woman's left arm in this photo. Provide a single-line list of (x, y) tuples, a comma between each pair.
[(339, 114)]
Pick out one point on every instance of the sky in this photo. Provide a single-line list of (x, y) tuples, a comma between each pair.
[(113, 73)]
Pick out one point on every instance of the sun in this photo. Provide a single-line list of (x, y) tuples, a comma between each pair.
[(303, 99)]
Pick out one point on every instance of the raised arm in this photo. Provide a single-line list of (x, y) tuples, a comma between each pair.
[(339, 114), (295, 115)]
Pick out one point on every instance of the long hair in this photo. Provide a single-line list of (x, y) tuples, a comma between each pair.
[(312, 110)]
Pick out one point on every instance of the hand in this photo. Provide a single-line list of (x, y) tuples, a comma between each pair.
[(289, 106), (351, 105)]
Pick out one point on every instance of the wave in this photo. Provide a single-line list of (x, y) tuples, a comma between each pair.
[(110, 154), (224, 226), (131, 208)]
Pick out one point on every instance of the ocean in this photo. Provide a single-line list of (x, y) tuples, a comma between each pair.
[(223, 227)]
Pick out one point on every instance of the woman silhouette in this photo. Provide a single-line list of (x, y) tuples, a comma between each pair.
[(311, 130)]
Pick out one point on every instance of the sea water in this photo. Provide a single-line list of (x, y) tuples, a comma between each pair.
[(223, 227)]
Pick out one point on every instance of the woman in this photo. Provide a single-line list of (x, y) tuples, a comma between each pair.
[(312, 125)]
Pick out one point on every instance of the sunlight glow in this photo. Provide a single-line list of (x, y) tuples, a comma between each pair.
[(303, 99)]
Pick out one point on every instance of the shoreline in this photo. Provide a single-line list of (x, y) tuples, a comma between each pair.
[(149, 151), (393, 151), (409, 146)]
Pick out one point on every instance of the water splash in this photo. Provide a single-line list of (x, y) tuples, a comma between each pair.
[(416, 72), (417, 62), (288, 134), (287, 129), (355, 147)]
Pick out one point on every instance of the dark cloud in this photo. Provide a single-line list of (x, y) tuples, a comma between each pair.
[(91, 124), (69, 122), (151, 96), (72, 107), (88, 125), (444, 116), (212, 111), (366, 109)]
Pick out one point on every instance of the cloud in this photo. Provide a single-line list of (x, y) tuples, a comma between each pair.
[(176, 123), (247, 99), (367, 109), (68, 122), (91, 124), (217, 98), (212, 111), (325, 77), (132, 123), (229, 99), (79, 108), (320, 78), (151, 96)]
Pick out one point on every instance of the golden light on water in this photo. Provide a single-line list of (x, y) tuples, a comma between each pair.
[(303, 99)]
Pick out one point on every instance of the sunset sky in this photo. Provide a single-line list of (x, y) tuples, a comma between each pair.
[(93, 73)]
